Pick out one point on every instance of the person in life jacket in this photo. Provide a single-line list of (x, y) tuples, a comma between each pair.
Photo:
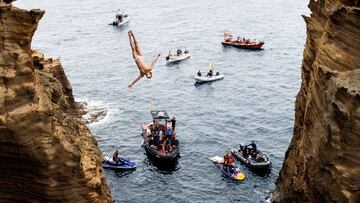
[(228, 161)]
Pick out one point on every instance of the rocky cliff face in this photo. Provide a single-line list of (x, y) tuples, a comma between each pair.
[(322, 163), (46, 153)]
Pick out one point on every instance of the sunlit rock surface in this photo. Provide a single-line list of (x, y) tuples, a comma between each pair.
[(322, 163), (47, 154)]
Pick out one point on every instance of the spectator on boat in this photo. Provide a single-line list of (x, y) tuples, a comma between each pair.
[(145, 69), (167, 148), (175, 142), (167, 135), (173, 138), (179, 52), (228, 161), (157, 139), (157, 129), (152, 142), (227, 36), (173, 123), (210, 73), (163, 130), (253, 146), (199, 73), (120, 18), (117, 157), (253, 154), (170, 54), (151, 128)]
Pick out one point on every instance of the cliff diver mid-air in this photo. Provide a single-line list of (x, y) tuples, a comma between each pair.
[(145, 69)]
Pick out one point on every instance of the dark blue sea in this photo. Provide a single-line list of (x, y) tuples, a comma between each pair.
[(254, 102)]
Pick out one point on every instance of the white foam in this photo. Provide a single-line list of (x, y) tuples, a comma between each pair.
[(98, 106)]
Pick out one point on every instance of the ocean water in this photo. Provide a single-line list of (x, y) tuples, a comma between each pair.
[(254, 102)]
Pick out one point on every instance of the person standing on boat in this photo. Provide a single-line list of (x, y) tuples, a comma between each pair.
[(145, 69), (173, 123)]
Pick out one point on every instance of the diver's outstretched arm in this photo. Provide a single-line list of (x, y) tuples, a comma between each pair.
[(136, 80), (153, 62)]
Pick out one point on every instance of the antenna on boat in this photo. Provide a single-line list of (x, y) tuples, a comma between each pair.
[(211, 65), (152, 105)]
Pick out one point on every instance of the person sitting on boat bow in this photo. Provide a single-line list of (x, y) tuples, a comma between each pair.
[(227, 36), (169, 55), (117, 157), (199, 73)]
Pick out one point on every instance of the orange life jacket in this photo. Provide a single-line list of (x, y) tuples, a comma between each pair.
[(226, 159), (231, 160)]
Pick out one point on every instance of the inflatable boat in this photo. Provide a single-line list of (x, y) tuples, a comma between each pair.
[(261, 161), (204, 78)]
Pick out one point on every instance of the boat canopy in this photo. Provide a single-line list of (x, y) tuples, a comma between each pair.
[(159, 114)]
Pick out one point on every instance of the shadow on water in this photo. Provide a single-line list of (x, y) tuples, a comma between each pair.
[(123, 172), (263, 173), (163, 167), (175, 63), (199, 84), (121, 27), (229, 48)]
